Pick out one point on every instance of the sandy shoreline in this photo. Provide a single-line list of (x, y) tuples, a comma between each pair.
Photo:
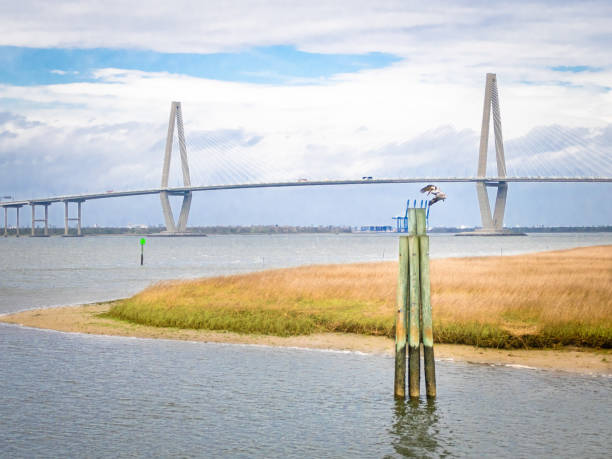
[(84, 319)]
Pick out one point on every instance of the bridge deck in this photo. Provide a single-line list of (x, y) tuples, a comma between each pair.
[(182, 190)]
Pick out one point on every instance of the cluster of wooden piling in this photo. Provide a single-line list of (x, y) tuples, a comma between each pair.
[(414, 321)]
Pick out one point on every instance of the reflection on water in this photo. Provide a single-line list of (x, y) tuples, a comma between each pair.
[(415, 428)]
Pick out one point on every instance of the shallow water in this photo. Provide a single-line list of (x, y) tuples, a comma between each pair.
[(77, 395)]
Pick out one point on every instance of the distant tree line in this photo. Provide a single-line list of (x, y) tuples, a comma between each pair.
[(534, 229), (270, 229), (286, 229)]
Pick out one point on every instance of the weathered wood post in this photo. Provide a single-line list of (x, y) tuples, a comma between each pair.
[(400, 320), (426, 317), (414, 318)]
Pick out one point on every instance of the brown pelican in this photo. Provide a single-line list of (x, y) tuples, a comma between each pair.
[(430, 189), (438, 196)]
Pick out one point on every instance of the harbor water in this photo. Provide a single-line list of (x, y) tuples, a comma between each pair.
[(74, 395)]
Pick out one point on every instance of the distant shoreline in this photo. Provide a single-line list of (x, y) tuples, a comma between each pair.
[(85, 319), (284, 229)]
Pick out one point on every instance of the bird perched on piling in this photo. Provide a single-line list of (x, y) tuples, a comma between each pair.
[(438, 194)]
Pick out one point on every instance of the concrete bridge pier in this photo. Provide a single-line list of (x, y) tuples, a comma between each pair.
[(44, 220), (47, 219), (79, 219), (492, 223), (175, 228), (6, 208), (67, 219)]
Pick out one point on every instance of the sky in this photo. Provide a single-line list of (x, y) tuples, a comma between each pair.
[(289, 90)]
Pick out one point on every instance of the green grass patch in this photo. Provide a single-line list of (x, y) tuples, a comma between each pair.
[(291, 322), (532, 301), (328, 317)]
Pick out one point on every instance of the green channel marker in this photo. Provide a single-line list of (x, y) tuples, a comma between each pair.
[(143, 241)]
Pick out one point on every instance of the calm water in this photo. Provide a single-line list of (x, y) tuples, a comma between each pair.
[(76, 395)]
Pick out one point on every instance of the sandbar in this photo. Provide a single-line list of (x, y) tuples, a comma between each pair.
[(86, 319)]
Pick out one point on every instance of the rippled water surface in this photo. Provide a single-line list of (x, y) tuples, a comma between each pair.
[(81, 396), (92, 396)]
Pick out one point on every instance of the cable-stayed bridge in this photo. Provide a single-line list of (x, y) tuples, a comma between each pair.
[(591, 168)]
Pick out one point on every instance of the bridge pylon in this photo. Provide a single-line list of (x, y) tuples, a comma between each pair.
[(172, 227), (492, 224)]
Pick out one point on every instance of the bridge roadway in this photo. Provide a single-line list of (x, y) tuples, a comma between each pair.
[(183, 190)]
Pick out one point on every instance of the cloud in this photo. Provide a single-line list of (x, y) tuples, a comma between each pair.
[(17, 120), (7, 135), (64, 72), (419, 115), (205, 26)]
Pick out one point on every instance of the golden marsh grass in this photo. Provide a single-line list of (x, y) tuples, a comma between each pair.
[(536, 300)]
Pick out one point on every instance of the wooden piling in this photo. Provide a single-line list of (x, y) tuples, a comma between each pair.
[(425, 303), (414, 310), (414, 331), (426, 319), (400, 321)]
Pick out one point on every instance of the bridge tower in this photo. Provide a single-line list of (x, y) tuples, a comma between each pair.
[(492, 224), (172, 227)]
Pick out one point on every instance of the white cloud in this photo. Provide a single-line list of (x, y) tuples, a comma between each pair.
[(64, 72), (348, 126), (456, 34)]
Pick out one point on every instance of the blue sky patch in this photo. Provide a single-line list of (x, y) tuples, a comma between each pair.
[(267, 65), (575, 68)]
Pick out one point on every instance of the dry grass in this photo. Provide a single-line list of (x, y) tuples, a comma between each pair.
[(535, 300)]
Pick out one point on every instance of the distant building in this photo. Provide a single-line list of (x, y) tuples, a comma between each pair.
[(376, 229)]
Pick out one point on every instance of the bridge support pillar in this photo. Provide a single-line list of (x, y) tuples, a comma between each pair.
[(175, 228), (79, 219), (492, 224), (46, 220), (485, 208), (167, 210), (6, 227), (67, 219)]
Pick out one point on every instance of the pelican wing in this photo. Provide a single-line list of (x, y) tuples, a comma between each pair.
[(429, 189), (437, 198)]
